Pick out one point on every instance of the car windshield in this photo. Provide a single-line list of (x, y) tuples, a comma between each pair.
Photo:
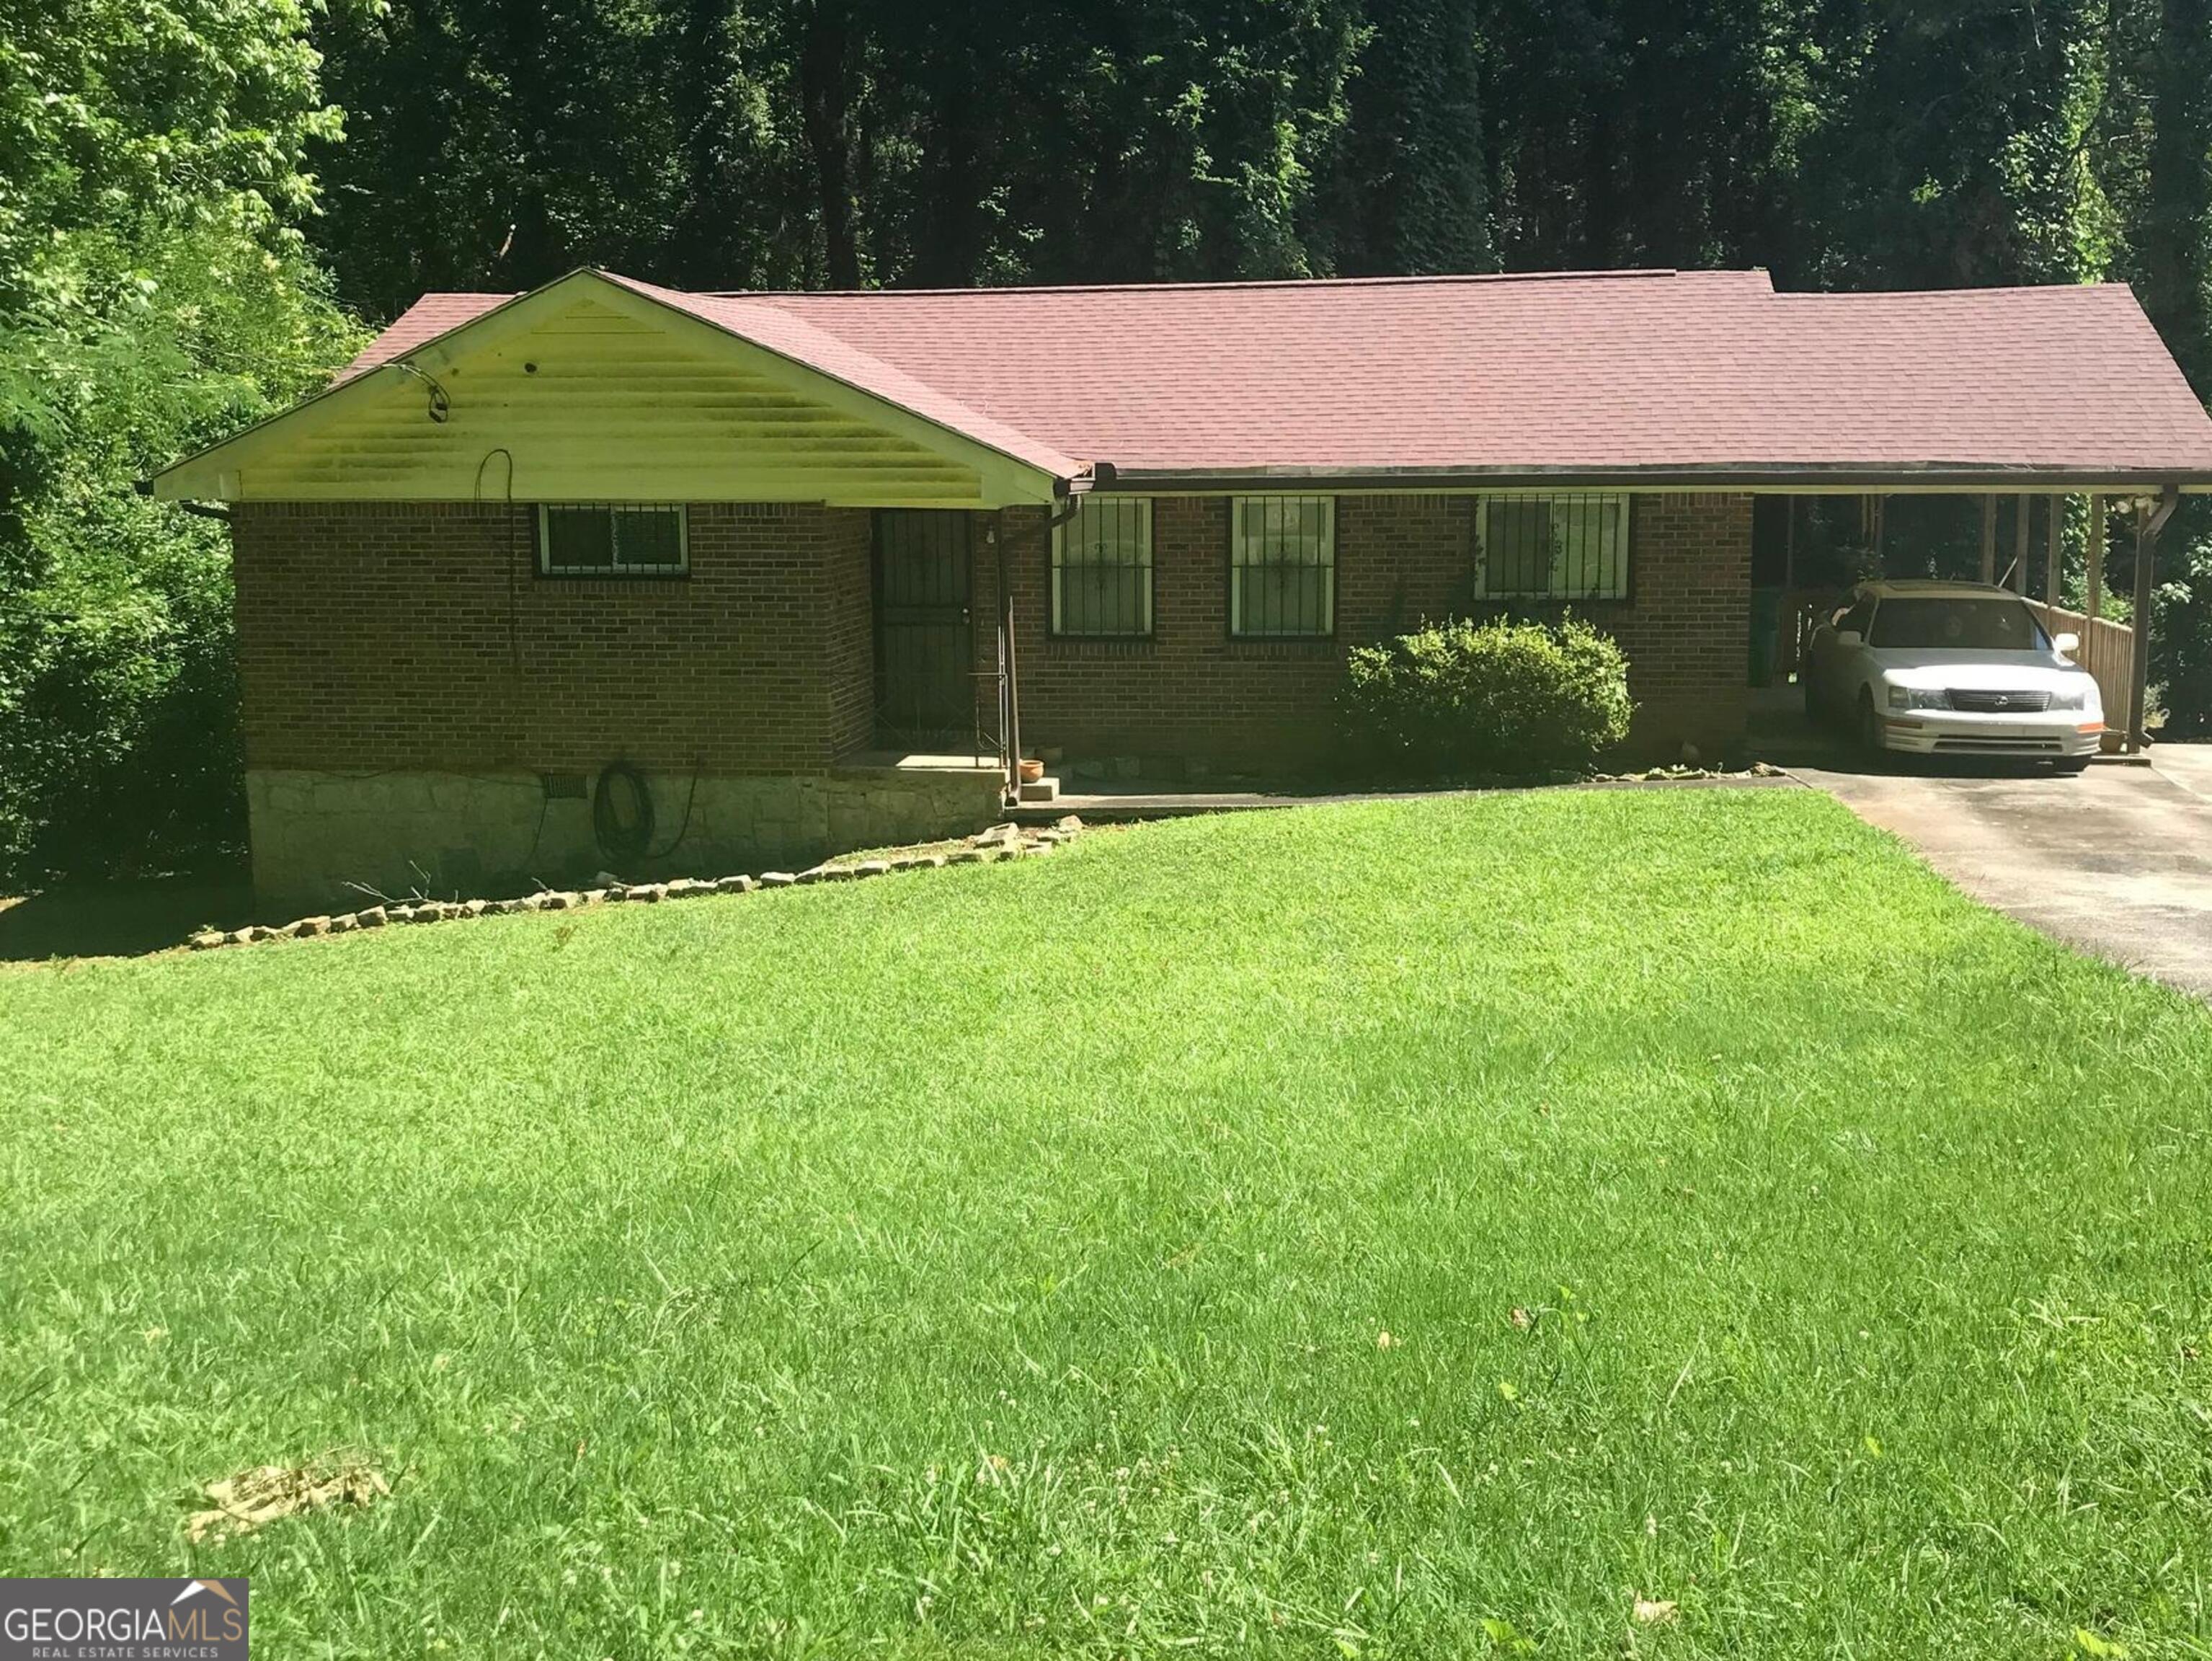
[(1964, 625)]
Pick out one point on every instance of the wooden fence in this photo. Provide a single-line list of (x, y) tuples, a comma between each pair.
[(2108, 652)]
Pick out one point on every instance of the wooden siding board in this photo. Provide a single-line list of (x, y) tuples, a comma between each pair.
[(623, 404)]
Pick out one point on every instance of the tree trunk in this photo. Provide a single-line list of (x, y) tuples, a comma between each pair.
[(2174, 240), (696, 255), (825, 77), (949, 245)]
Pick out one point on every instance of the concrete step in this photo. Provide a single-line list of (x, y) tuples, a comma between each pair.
[(1044, 789)]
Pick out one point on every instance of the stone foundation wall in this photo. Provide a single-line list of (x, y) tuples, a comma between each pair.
[(323, 838)]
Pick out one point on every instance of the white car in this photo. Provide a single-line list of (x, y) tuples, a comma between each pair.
[(1952, 669)]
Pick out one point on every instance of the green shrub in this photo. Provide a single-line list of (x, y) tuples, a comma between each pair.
[(1460, 697)]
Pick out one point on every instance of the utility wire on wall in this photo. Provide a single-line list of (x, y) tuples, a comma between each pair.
[(513, 553)]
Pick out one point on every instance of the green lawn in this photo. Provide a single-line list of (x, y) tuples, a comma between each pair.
[(994, 1261)]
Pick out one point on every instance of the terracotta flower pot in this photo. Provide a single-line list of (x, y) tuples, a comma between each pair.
[(1032, 771)]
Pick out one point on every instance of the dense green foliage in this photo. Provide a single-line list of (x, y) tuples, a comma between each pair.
[(173, 179), (1456, 699), (997, 1262), (1864, 141), (153, 291)]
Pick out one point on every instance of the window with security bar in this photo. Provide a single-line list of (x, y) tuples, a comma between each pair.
[(1282, 568), (1102, 569), (1552, 547), (629, 540)]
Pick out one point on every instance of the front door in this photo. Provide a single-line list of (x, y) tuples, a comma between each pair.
[(925, 646)]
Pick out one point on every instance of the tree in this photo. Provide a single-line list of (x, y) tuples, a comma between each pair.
[(1409, 195), (1952, 149), (154, 290)]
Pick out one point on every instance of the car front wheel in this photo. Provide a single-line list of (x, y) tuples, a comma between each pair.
[(1870, 727)]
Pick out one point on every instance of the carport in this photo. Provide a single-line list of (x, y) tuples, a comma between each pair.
[(2034, 539)]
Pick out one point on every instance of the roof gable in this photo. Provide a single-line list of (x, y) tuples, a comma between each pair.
[(594, 388)]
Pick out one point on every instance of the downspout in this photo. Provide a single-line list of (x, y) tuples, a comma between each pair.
[(1012, 711), (2146, 559)]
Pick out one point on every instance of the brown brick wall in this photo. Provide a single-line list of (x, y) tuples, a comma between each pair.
[(1193, 692), (419, 635), (1687, 628)]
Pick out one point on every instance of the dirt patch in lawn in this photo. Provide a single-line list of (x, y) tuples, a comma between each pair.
[(252, 1500)]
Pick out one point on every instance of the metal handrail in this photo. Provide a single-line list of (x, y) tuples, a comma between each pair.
[(990, 736)]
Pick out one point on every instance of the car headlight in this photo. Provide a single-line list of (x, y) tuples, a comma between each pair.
[(1918, 697), (2083, 696)]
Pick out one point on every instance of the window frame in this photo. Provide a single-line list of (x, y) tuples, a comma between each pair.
[(614, 571), (1232, 600), (1620, 594), (1055, 564)]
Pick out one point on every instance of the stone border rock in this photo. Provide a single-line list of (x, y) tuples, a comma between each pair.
[(1681, 771), (1001, 841)]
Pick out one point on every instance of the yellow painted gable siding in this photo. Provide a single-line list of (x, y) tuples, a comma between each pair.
[(624, 404)]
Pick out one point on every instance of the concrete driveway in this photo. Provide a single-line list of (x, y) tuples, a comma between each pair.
[(2118, 861)]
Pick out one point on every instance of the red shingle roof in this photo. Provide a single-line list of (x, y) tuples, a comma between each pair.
[(1692, 373), (791, 335), (432, 315)]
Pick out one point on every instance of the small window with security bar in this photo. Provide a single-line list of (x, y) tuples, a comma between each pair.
[(1102, 570), (1552, 547), (628, 540), (1282, 568)]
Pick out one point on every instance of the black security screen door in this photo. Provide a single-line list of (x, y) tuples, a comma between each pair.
[(925, 652)]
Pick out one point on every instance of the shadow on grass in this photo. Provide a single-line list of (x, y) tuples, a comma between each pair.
[(120, 919)]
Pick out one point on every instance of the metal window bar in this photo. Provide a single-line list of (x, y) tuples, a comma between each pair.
[(625, 539), (1102, 569), (1553, 546), (1282, 569)]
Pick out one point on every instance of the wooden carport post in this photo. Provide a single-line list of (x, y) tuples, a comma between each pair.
[(2054, 555), (1988, 536), (2020, 517), (2092, 579), (2150, 521)]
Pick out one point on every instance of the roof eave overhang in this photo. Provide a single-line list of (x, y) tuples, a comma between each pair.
[(1798, 478)]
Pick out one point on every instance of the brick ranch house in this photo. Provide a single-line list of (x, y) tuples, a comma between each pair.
[(532, 556)]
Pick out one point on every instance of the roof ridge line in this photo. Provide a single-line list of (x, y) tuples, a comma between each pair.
[(1974, 292), (1435, 279)]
